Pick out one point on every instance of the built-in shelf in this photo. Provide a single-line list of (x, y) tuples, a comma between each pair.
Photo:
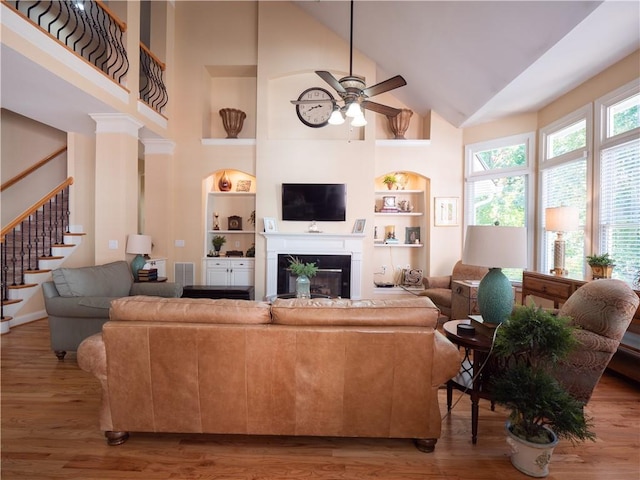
[(229, 142), (221, 232), (402, 143), (399, 214), (396, 245)]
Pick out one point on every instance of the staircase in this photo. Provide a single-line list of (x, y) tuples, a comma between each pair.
[(31, 247)]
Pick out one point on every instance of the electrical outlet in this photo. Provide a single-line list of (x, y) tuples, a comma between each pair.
[(237, 244), (384, 269), (179, 243), (113, 244)]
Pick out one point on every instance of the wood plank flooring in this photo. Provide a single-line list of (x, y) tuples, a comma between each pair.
[(50, 431)]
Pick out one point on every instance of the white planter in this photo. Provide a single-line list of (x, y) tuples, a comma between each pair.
[(530, 458)]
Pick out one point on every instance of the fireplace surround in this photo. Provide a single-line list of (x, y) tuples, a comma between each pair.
[(315, 245)]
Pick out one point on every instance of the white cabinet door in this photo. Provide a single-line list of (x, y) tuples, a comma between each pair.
[(241, 272), (218, 272)]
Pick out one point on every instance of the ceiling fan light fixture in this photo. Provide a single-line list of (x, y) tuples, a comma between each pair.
[(359, 121), (336, 117), (354, 110)]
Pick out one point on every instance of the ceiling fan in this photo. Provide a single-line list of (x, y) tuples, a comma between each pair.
[(352, 90)]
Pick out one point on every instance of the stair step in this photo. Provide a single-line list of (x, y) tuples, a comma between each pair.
[(4, 325), (10, 302), (51, 258), (26, 285), (44, 270), (63, 245)]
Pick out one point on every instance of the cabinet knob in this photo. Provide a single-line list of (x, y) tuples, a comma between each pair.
[(458, 289)]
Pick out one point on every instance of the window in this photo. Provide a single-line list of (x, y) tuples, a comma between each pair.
[(564, 177), (498, 184), (618, 180)]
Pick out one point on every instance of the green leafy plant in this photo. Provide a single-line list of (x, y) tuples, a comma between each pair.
[(600, 260), (218, 241), (299, 268), (252, 217), (529, 345), (390, 180)]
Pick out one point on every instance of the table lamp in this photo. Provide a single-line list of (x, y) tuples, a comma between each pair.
[(496, 248), (560, 220), (138, 245)]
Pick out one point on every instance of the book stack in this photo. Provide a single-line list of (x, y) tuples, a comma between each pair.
[(150, 275)]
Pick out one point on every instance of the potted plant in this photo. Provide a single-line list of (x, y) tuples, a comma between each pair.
[(601, 265), (304, 272), (527, 348), (390, 180), (218, 241)]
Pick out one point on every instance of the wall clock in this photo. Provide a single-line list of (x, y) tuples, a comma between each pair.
[(315, 107)]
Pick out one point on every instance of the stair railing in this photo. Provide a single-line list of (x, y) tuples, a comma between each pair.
[(32, 236)]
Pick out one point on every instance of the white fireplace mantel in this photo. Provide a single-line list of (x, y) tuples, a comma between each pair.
[(314, 244)]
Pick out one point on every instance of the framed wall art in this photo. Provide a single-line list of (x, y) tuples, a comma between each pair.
[(412, 235), (358, 227), (446, 211), (270, 225)]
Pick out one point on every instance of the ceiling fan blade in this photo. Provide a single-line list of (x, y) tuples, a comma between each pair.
[(390, 84), (331, 80), (379, 108), (324, 100)]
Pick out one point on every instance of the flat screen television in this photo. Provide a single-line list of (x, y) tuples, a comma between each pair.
[(322, 202)]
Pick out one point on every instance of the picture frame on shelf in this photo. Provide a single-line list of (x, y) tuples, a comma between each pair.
[(446, 212), (270, 225), (412, 235), (358, 226), (243, 186)]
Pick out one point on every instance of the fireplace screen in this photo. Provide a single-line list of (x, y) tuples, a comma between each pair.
[(333, 278)]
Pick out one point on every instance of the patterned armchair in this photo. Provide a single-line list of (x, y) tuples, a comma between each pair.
[(604, 309)]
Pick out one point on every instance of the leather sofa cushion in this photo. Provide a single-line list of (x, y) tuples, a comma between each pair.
[(417, 311), (109, 280), (190, 310)]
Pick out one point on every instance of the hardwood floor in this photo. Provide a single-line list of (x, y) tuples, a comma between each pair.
[(50, 431)]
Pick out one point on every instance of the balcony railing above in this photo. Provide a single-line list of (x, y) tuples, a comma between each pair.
[(86, 27), (152, 89)]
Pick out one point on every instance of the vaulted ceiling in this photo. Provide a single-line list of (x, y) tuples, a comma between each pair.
[(477, 61)]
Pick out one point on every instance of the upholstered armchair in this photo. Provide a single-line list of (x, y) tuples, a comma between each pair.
[(603, 309), (438, 289)]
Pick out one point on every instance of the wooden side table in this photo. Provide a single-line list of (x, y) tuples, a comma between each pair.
[(476, 350)]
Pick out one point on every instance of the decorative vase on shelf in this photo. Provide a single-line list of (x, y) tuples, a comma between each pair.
[(400, 123), (224, 184), (303, 287), (232, 120)]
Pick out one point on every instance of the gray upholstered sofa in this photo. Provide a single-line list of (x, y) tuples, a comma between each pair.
[(77, 300)]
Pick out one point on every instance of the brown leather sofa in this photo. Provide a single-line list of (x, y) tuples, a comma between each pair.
[(319, 367)]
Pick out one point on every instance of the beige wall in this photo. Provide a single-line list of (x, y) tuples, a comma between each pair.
[(24, 142)]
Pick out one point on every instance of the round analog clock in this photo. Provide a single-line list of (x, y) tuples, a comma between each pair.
[(317, 107)]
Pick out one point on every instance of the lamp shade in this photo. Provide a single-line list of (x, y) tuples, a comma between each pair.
[(495, 247), (139, 244), (561, 219)]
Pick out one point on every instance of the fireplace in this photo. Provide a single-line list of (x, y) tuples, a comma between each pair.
[(333, 277), (316, 246)]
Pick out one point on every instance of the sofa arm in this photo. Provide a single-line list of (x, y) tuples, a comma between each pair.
[(446, 360), (157, 289), (437, 282), (92, 358)]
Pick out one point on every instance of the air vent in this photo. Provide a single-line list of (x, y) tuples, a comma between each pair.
[(185, 273)]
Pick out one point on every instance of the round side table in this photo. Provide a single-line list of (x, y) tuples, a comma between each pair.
[(476, 349)]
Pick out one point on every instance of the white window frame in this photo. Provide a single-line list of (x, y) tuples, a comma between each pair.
[(583, 113), (603, 142), (528, 139)]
